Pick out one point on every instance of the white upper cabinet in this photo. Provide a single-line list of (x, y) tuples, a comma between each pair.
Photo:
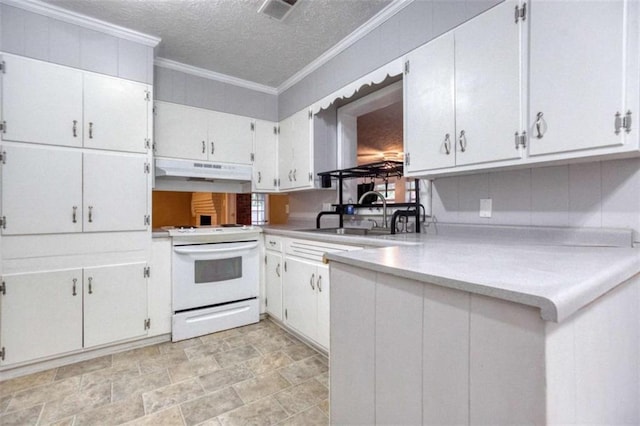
[(180, 131), (577, 75), (487, 79), (41, 102), (430, 128), (462, 95), (230, 138), (41, 190), (47, 190), (115, 114), (51, 104), (294, 151), (266, 154), (200, 134), (115, 192)]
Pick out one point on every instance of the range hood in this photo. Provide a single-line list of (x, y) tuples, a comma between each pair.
[(201, 176)]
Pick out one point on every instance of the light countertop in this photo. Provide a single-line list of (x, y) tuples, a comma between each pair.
[(557, 270)]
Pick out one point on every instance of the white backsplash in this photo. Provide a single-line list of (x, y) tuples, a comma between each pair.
[(598, 194)]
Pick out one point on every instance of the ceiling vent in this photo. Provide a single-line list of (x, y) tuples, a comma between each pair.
[(277, 9)]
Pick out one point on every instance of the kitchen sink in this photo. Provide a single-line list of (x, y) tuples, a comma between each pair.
[(349, 231)]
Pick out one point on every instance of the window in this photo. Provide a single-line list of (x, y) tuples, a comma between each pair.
[(388, 190), (410, 189), (258, 209)]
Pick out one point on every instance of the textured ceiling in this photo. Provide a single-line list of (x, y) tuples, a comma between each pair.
[(230, 37)]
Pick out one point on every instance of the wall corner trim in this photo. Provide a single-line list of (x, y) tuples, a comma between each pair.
[(212, 75), (394, 7), (70, 17)]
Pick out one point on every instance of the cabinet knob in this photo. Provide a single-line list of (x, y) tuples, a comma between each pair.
[(447, 144), (462, 140), (90, 219), (74, 214), (541, 126), (90, 279)]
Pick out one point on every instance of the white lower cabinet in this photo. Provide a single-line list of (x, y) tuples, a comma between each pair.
[(53, 313), (273, 284), (159, 288), (300, 296), (40, 315), (115, 303)]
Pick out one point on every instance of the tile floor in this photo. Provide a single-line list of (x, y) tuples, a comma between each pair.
[(258, 374)]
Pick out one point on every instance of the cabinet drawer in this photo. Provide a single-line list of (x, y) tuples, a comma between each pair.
[(273, 243), (313, 250)]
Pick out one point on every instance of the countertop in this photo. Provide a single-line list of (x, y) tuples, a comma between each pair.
[(558, 270)]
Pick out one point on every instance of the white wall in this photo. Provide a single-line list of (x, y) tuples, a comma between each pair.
[(599, 194)]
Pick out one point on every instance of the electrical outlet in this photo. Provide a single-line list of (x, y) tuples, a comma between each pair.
[(485, 207), (286, 208), (327, 207)]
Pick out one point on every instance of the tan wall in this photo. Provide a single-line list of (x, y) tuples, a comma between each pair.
[(277, 206), (171, 208)]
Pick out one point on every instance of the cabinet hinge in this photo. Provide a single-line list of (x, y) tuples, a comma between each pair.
[(275, 182), (407, 159), (520, 139), (285, 266), (286, 314), (3, 67), (3, 222), (147, 95), (3, 157), (278, 182), (265, 259), (310, 176), (153, 147), (520, 12), (147, 272), (3, 288), (153, 110), (253, 157), (3, 126), (147, 168), (147, 143), (310, 114), (278, 129), (2, 353), (275, 130), (626, 122), (147, 323), (147, 219), (266, 302), (406, 67), (253, 127)]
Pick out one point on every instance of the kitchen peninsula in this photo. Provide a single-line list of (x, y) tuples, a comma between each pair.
[(528, 326)]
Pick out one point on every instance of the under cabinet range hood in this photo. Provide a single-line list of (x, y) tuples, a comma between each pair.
[(201, 176)]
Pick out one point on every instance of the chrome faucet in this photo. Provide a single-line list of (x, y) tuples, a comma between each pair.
[(384, 205)]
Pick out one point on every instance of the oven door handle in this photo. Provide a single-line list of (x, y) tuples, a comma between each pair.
[(208, 248)]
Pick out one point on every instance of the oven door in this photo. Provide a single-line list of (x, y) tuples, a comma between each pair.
[(210, 274)]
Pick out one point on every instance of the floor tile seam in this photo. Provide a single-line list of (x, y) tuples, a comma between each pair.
[(301, 412), (7, 413), (204, 392), (265, 396)]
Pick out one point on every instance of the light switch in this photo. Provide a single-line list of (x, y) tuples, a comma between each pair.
[(485, 207)]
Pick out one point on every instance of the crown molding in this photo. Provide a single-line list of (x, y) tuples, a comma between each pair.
[(394, 7), (61, 14), (212, 75)]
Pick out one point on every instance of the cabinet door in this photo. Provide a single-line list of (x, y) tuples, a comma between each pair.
[(266, 152), (115, 192), (579, 91), (273, 281), (324, 288), (429, 134), (41, 190), (115, 303), (180, 131), (487, 53), (300, 296), (115, 113), (302, 140), (230, 138), (41, 315), (41, 102), (160, 287), (285, 153)]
